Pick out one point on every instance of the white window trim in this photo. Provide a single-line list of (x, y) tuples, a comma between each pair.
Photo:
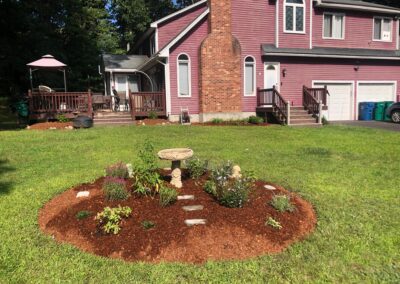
[(344, 26), (373, 29), (294, 17), (254, 79), (189, 75)]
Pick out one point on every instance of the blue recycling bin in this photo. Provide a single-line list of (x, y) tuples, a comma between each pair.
[(366, 111)]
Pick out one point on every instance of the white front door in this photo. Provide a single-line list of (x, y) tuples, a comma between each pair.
[(340, 102), (271, 75)]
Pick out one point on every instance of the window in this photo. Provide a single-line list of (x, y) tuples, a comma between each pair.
[(249, 76), (334, 26), (294, 16), (382, 29), (184, 76)]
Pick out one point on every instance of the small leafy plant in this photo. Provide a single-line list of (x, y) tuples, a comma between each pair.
[(168, 196), (325, 121), (110, 218), (62, 118), (273, 223), (282, 203), (147, 225), (83, 214), (229, 192), (118, 170), (256, 120), (217, 121), (146, 178), (153, 115), (115, 189), (196, 167)]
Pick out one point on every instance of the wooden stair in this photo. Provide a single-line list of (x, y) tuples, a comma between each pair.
[(112, 118), (300, 117)]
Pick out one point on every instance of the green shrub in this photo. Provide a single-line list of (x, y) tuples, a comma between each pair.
[(62, 118), (115, 189), (153, 115), (110, 218), (217, 120), (146, 178), (118, 170), (229, 192), (168, 196), (282, 203), (83, 214), (210, 187), (256, 120), (273, 223), (147, 225), (196, 167)]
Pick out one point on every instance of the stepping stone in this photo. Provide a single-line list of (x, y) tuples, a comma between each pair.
[(269, 187), (83, 194), (193, 222), (193, 207), (185, 197)]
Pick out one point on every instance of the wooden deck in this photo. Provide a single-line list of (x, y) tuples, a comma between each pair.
[(144, 103)]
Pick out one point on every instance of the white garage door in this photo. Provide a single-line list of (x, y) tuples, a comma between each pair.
[(376, 92), (340, 101)]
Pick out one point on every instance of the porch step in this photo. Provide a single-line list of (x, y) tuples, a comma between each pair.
[(300, 117), (113, 123), (301, 121)]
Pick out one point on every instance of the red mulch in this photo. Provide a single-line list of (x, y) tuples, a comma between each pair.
[(47, 125), (230, 234), (157, 121)]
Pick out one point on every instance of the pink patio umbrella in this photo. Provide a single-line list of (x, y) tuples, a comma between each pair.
[(50, 63)]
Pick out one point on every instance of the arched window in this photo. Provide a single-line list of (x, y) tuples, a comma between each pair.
[(295, 17), (249, 76), (184, 75)]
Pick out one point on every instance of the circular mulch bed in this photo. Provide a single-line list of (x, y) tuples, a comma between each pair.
[(230, 234), (50, 125)]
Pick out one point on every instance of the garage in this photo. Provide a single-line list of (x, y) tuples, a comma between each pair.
[(375, 91), (341, 100)]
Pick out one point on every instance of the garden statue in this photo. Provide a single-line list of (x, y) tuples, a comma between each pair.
[(176, 178), (236, 172)]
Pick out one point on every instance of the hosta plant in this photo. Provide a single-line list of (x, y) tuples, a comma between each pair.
[(110, 218)]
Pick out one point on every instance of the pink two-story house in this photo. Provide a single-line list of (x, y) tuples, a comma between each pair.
[(233, 58)]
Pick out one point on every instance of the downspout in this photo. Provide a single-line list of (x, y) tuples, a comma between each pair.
[(167, 86)]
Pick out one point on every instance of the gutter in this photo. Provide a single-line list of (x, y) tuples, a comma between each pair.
[(328, 56), (320, 4)]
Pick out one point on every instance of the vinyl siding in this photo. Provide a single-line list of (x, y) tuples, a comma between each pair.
[(170, 29), (189, 45), (358, 31)]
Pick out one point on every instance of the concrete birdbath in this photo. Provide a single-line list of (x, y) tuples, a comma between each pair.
[(176, 156)]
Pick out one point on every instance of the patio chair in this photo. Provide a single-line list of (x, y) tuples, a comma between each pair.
[(45, 89)]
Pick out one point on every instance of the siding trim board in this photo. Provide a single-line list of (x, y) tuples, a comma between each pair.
[(370, 8)]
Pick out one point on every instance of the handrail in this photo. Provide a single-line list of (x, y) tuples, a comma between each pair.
[(272, 97), (310, 102), (320, 94), (142, 103), (60, 102)]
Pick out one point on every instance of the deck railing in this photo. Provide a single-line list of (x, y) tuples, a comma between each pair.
[(272, 97), (319, 94), (51, 104), (310, 102), (144, 103)]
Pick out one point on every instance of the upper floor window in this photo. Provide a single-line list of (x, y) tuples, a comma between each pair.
[(382, 29), (249, 76), (295, 16), (184, 76), (333, 26)]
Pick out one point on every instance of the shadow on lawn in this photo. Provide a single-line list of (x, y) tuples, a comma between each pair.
[(5, 187)]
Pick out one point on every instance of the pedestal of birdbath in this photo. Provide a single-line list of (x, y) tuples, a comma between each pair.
[(176, 156)]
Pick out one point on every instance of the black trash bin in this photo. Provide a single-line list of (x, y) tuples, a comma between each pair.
[(82, 122)]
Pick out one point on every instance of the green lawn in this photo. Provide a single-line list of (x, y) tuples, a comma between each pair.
[(351, 175)]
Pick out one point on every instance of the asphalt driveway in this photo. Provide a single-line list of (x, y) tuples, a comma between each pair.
[(371, 124)]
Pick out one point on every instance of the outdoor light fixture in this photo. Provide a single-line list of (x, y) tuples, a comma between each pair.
[(284, 72)]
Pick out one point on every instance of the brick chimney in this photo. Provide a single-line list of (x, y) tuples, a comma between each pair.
[(220, 65)]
